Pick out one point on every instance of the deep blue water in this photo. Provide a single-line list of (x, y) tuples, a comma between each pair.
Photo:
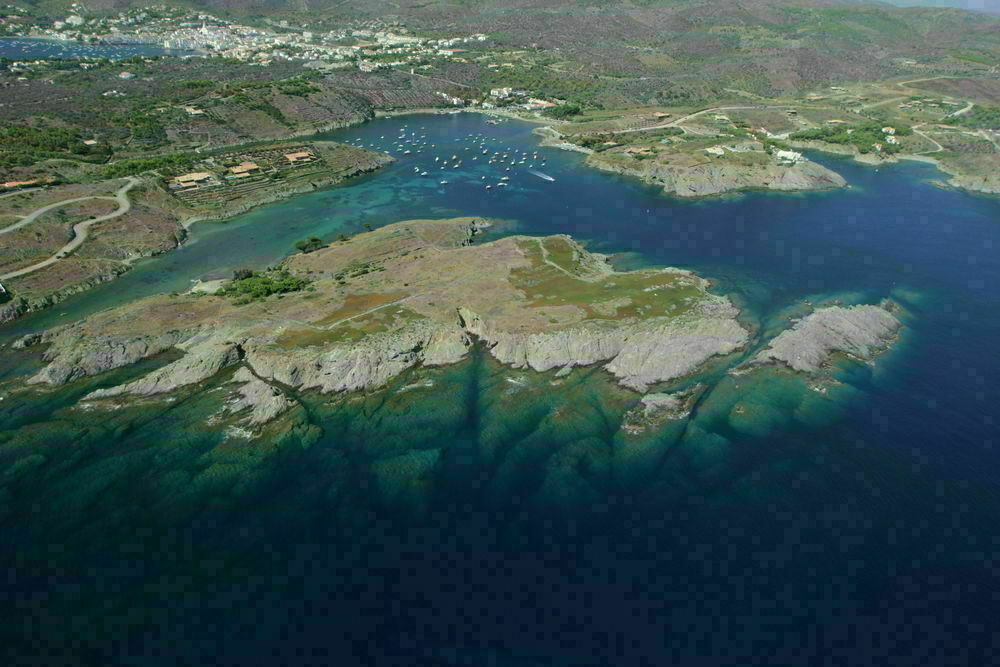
[(18, 48), (868, 535)]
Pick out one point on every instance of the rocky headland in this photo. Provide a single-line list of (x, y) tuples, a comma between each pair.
[(422, 293), (693, 176)]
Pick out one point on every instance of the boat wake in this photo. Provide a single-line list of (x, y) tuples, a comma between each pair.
[(540, 175)]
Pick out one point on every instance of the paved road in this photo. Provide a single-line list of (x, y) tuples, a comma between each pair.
[(79, 229)]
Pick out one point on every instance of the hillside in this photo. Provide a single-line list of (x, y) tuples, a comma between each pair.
[(659, 51)]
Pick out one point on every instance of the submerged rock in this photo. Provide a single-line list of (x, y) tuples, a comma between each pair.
[(656, 409)]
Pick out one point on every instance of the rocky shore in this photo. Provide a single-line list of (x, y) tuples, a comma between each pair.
[(423, 293), (976, 173)]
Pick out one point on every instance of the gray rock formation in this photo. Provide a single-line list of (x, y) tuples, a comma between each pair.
[(74, 355), (637, 355), (856, 331), (265, 402), (656, 409)]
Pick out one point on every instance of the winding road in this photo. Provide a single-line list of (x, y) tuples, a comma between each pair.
[(79, 229)]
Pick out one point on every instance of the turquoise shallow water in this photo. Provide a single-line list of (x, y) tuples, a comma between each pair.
[(495, 517)]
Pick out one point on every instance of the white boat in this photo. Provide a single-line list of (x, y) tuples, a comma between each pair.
[(423, 173), (444, 182), (489, 187), (544, 177)]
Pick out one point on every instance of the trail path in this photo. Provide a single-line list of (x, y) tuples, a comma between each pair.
[(18, 192), (676, 122), (917, 130), (80, 230)]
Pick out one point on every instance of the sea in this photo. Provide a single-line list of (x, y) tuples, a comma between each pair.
[(486, 516), (23, 48)]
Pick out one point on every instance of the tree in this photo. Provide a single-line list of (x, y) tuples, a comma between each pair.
[(564, 111), (309, 244)]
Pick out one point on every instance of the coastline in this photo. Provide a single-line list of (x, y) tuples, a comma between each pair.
[(435, 111), (954, 179), (21, 305)]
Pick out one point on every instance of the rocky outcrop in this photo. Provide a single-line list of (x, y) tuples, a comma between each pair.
[(74, 355), (204, 358), (638, 355), (344, 367), (264, 401), (554, 139), (656, 409), (859, 332)]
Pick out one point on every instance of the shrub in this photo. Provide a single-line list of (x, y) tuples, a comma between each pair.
[(259, 286)]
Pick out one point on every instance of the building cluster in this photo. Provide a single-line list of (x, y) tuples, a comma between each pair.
[(241, 167), (371, 46)]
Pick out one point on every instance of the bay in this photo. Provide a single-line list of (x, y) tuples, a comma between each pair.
[(865, 527)]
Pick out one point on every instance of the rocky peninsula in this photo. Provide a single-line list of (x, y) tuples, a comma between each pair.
[(422, 293), (691, 175)]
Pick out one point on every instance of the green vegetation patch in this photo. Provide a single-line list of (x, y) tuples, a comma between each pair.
[(564, 111), (259, 286), (863, 136), (173, 163), (979, 117), (24, 146), (639, 294)]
